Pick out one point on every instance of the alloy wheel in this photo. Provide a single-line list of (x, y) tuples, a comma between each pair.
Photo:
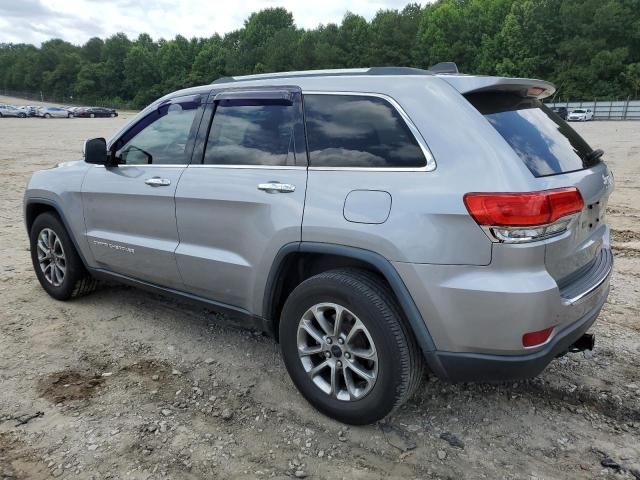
[(337, 351), (51, 257)]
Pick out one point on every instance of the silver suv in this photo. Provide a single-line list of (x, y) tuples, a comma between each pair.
[(376, 222)]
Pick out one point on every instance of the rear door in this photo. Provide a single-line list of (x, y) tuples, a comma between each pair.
[(129, 208), (242, 198)]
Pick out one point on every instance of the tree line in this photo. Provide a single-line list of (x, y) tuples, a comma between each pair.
[(588, 48)]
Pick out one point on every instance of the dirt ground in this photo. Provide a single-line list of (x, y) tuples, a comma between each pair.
[(123, 384)]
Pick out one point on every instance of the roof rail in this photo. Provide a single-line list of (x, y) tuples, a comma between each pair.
[(444, 67), (329, 72), (223, 80)]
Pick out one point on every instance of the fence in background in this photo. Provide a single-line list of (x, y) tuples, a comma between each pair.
[(605, 109)]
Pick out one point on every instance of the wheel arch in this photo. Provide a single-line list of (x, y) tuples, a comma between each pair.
[(300, 255), (35, 207)]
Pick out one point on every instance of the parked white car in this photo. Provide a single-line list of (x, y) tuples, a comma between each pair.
[(54, 112), (580, 115), (11, 111)]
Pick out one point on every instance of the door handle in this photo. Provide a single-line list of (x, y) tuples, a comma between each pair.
[(273, 187), (158, 182)]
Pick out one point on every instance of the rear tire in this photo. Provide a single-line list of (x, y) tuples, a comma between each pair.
[(381, 334), (56, 262), (93, 115)]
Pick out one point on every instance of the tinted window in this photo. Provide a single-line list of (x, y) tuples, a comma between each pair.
[(358, 131), (544, 142), (163, 138), (251, 134)]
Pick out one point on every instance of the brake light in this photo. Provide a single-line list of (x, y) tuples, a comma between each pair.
[(533, 339), (540, 213)]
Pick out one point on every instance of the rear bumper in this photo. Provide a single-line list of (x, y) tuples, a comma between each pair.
[(471, 367), (477, 315)]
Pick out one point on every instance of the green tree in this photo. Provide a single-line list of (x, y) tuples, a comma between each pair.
[(210, 62), (392, 36), (589, 48), (354, 38)]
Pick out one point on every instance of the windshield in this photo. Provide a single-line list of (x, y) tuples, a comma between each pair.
[(578, 111), (544, 142)]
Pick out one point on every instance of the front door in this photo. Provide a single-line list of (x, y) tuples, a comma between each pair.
[(129, 208), (245, 198)]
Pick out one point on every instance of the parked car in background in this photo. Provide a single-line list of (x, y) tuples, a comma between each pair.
[(562, 112), (580, 115), (53, 112), (11, 111), (29, 110), (73, 110), (93, 112), (354, 226)]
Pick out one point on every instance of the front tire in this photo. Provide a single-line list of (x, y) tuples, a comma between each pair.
[(347, 347), (55, 260), (93, 115), (47, 115)]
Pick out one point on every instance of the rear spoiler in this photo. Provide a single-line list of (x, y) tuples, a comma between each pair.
[(526, 87)]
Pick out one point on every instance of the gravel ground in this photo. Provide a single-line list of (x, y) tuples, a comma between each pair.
[(125, 384)]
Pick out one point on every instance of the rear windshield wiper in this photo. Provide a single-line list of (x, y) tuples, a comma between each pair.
[(593, 156)]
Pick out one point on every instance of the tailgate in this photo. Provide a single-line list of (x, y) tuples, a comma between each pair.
[(558, 157), (579, 248)]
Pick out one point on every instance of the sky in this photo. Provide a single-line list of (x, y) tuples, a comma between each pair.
[(34, 21)]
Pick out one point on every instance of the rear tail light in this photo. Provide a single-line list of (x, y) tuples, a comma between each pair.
[(533, 339), (524, 217)]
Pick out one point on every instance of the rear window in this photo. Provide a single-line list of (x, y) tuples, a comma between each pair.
[(358, 131), (251, 135), (544, 142)]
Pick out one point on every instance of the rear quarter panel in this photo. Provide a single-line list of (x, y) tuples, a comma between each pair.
[(428, 222)]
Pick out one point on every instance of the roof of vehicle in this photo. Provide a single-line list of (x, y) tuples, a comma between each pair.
[(374, 80), (337, 72), (447, 71)]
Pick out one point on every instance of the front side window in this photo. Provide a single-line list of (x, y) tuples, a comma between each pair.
[(162, 137), (358, 131), (251, 133)]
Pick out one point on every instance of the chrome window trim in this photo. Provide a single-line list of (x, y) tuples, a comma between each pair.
[(430, 162), (246, 167), (164, 165)]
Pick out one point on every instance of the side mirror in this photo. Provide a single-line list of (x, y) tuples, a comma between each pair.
[(95, 151)]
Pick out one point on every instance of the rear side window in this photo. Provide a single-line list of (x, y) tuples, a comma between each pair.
[(244, 134), (358, 131), (544, 142)]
